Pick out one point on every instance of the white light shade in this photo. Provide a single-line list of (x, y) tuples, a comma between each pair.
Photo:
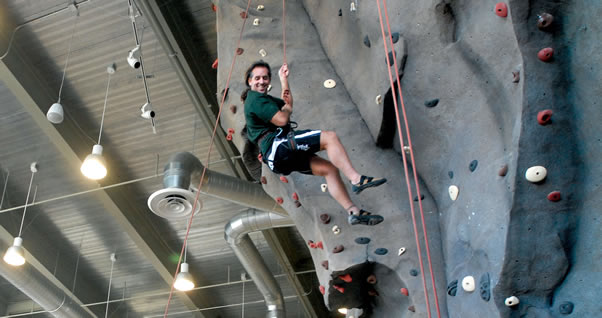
[(184, 279), (343, 310), (55, 113), (15, 255), (94, 166)]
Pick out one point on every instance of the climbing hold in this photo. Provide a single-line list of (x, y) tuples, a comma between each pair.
[(229, 137), (295, 196), (231, 131), (391, 60), (336, 230), (412, 309), (352, 7), (372, 293), (269, 87), (330, 83), (503, 171), (340, 12), (283, 179), (431, 103), (322, 290), (536, 174), (367, 41), (213, 7), (544, 117), (346, 278), (378, 99), (515, 76), (546, 54), (566, 308), (381, 251), (395, 37), (414, 272), (511, 301), (405, 292), (339, 289), (453, 192), (544, 20), (362, 240), (264, 180), (406, 149), (324, 218), (452, 288), (324, 187), (260, 158), (501, 9), (473, 165), (421, 198), (311, 244), (215, 63), (263, 53), (338, 249), (297, 204), (239, 51), (371, 279), (468, 284), (320, 245), (280, 200), (325, 265), (233, 109), (401, 251), (450, 174), (554, 196), (260, 7), (484, 288), (243, 15), (256, 22)]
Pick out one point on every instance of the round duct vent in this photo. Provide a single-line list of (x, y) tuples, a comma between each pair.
[(173, 203)]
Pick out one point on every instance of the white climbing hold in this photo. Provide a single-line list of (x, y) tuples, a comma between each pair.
[(269, 87), (468, 284), (260, 7), (336, 230), (453, 192), (511, 301), (401, 251), (263, 53), (406, 149), (330, 83), (324, 187), (352, 7), (378, 99), (536, 173), (256, 22)]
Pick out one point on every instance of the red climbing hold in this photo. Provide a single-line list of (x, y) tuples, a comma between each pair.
[(280, 200), (239, 51), (546, 54), (554, 196), (346, 278), (312, 245), (372, 292), (503, 171), (214, 65), (284, 179), (213, 7), (320, 245), (338, 249), (325, 218), (322, 290), (295, 196), (412, 309), (233, 109), (544, 20), (371, 279), (229, 137), (405, 292), (264, 180), (339, 289), (260, 158), (544, 117), (325, 265), (501, 9), (230, 130), (243, 15), (515, 77)]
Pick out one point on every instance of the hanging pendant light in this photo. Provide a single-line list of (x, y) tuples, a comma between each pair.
[(94, 166), (55, 114), (184, 281)]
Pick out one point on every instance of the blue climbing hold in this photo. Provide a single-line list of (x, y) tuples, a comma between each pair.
[(414, 272), (421, 198), (473, 165), (566, 308), (395, 37), (391, 60), (367, 41), (450, 174), (381, 251), (431, 103), (362, 240)]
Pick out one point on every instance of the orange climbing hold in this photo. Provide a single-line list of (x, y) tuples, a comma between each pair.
[(346, 278), (322, 290), (264, 180), (243, 15), (283, 179), (260, 158), (546, 54), (405, 292), (371, 279), (295, 196), (554, 196), (280, 200), (339, 288), (320, 245), (501, 9), (214, 65), (213, 7), (544, 117)]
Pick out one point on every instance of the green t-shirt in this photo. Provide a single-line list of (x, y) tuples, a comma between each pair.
[(259, 110)]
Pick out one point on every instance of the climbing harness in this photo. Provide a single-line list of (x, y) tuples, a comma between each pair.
[(405, 163)]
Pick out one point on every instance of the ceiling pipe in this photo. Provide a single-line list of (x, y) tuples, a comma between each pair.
[(237, 235)]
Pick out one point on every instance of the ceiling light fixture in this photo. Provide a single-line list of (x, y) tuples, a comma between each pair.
[(94, 166), (342, 310), (55, 114), (15, 255), (184, 281)]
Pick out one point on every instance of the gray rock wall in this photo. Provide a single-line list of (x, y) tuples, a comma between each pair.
[(501, 227)]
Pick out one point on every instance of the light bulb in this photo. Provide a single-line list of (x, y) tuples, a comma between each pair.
[(343, 310), (184, 279), (15, 255), (55, 113), (94, 165)]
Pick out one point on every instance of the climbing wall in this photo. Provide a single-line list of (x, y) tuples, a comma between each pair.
[(489, 102)]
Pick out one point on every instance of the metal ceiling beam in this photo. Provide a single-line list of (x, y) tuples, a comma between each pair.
[(35, 98)]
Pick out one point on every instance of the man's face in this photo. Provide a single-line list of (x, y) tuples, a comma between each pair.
[(259, 79)]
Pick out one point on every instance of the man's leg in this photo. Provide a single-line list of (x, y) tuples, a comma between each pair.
[(336, 188), (330, 142)]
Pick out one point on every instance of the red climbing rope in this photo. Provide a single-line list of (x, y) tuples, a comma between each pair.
[(407, 130), (196, 199), (284, 31)]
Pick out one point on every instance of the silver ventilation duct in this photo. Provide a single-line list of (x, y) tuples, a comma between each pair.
[(181, 176), (237, 235), (37, 287)]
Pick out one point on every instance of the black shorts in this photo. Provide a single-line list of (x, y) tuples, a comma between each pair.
[(281, 159)]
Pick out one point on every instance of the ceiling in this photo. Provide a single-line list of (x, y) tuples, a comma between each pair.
[(76, 224)]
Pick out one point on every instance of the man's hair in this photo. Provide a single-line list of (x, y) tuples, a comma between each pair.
[(259, 63)]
